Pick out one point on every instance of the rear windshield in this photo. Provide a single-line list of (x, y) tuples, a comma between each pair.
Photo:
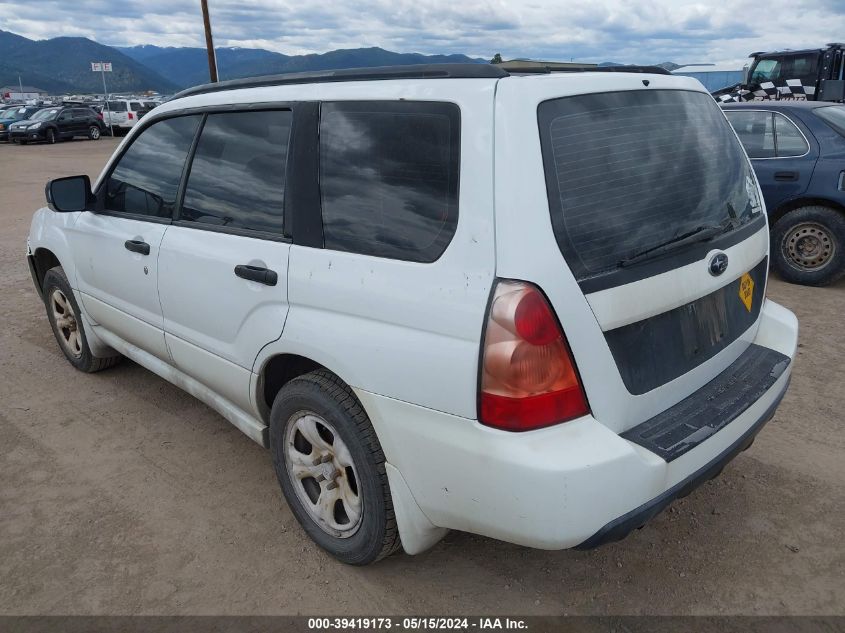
[(834, 116), (628, 171)]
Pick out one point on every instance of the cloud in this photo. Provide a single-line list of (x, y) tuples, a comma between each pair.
[(633, 31)]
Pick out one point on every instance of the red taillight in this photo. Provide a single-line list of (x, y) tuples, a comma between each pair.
[(131, 116), (528, 377)]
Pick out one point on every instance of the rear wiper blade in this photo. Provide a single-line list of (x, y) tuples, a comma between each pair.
[(698, 234)]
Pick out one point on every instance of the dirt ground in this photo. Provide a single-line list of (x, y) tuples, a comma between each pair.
[(120, 494)]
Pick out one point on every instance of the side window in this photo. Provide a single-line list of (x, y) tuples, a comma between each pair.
[(65, 116), (767, 70), (389, 174), (81, 113), (146, 179), (805, 68), (755, 131), (237, 177), (790, 141), (135, 106)]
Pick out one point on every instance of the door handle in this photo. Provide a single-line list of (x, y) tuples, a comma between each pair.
[(137, 246), (786, 175), (256, 273)]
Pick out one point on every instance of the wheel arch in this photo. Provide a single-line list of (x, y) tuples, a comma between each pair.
[(43, 259), (797, 203), (277, 370)]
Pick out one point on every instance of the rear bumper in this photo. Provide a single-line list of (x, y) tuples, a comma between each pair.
[(620, 527), (577, 484)]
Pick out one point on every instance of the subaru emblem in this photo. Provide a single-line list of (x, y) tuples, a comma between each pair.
[(718, 264)]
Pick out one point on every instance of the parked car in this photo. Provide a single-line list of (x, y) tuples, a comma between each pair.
[(542, 327), (57, 124), (798, 152), (11, 115), (123, 114)]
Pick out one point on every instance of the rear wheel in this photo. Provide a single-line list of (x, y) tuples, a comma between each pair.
[(64, 316), (808, 246), (94, 132), (331, 469)]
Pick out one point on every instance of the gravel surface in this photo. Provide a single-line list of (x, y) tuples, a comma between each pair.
[(120, 494)]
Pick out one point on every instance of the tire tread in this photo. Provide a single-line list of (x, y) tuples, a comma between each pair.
[(333, 387)]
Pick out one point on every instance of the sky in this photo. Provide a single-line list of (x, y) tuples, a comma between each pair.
[(626, 31)]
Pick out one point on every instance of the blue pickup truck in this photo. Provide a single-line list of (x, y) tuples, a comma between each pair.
[(798, 152)]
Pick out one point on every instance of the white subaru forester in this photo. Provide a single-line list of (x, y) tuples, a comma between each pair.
[(528, 306)]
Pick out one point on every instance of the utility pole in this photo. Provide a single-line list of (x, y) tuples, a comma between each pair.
[(106, 97), (20, 85), (209, 42)]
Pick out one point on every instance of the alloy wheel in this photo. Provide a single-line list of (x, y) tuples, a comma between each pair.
[(67, 324), (323, 474)]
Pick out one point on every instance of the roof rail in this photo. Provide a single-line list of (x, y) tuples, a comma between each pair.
[(411, 71), (545, 70)]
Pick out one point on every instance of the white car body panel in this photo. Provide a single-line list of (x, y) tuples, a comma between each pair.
[(118, 287), (215, 322)]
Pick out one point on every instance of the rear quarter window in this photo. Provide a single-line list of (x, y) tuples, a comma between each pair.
[(389, 174), (834, 116)]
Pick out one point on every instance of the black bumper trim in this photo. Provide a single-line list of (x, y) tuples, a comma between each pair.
[(708, 410), (620, 527)]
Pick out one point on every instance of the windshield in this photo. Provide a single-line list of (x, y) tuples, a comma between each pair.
[(45, 115), (629, 171), (834, 116)]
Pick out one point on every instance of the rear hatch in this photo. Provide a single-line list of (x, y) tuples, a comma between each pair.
[(652, 221)]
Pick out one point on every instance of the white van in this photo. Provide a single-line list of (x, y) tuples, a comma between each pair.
[(123, 114), (531, 307)]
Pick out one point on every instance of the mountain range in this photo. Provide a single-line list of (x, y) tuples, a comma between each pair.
[(189, 66), (63, 64)]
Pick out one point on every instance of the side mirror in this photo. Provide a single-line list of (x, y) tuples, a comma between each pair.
[(69, 194)]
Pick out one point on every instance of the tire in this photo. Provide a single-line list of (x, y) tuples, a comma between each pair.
[(59, 301), (51, 137), (94, 132), (808, 246), (360, 526), (22, 142)]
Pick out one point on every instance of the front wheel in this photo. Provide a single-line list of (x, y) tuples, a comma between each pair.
[(64, 316), (808, 246), (52, 137), (94, 132), (331, 468)]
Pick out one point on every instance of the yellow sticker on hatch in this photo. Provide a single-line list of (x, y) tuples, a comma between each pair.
[(746, 290)]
